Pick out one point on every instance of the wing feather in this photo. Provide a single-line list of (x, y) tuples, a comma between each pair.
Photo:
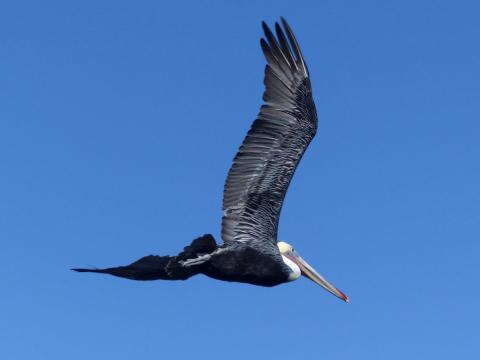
[(264, 165)]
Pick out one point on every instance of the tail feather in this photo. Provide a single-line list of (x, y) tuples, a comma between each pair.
[(154, 267)]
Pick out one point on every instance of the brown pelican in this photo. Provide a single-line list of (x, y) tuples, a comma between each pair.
[(255, 187)]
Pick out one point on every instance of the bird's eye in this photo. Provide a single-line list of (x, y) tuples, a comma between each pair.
[(293, 250)]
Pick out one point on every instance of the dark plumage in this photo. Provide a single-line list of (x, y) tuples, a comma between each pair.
[(154, 267), (255, 187), (263, 167), (238, 262)]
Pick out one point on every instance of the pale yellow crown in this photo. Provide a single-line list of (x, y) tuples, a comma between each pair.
[(284, 247)]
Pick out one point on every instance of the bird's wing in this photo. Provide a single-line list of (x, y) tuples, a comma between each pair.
[(265, 163), (154, 267)]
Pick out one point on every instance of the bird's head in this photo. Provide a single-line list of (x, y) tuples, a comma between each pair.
[(300, 267)]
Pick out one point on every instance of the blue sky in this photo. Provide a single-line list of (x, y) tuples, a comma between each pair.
[(119, 121)]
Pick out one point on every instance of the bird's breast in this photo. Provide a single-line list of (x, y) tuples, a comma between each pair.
[(248, 265)]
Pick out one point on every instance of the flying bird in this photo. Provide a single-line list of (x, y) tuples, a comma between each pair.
[(255, 187)]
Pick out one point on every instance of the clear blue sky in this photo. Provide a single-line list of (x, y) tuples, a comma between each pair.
[(118, 124)]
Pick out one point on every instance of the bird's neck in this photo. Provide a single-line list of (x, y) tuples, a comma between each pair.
[(295, 270)]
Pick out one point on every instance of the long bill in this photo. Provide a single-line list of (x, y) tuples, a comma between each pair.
[(313, 275)]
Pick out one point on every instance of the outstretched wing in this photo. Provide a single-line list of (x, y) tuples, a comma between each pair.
[(154, 267), (263, 167)]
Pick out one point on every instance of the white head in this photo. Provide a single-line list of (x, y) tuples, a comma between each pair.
[(300, 267)]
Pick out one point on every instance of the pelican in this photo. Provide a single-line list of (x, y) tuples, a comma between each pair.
[(255, 187)]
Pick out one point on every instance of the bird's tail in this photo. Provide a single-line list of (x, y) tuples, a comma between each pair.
[(154, 267)]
